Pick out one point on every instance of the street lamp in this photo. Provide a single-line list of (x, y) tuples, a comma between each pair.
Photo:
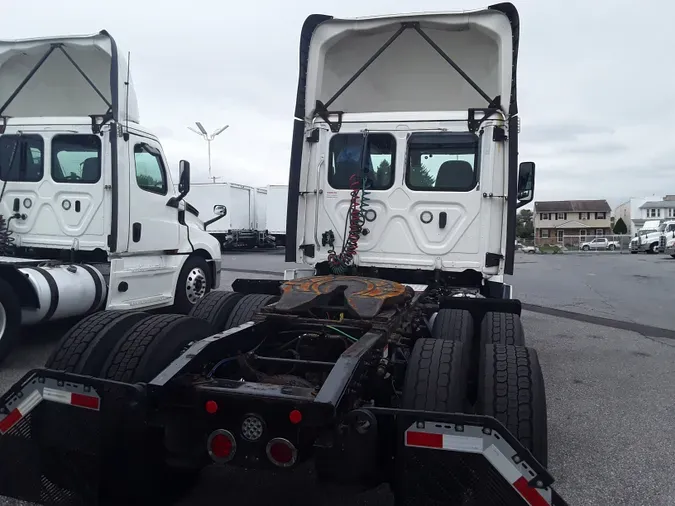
[(208, 138)]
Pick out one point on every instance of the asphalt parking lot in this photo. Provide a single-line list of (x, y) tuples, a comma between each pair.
[(609, 388)]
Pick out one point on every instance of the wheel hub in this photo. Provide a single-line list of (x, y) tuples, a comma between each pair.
[(195, 287)]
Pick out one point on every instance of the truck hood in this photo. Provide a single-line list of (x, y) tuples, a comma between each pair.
[(483, 44), (57, 88)]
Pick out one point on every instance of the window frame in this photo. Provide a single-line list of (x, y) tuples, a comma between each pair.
[(158, 155), (41, 140), (560, 236), (331, 168), (53, 156), (544, 231), (599, 232), (457, 135)]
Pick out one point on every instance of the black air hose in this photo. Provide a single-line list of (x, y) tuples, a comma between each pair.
[(6, 239)]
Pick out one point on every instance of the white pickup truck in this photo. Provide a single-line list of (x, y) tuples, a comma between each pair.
[(600, 243)]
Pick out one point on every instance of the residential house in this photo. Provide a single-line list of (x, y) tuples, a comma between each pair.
[(632, 214), (568, 222), (663, 210)]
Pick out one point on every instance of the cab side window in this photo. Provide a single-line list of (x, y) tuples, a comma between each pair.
[(150, 170)]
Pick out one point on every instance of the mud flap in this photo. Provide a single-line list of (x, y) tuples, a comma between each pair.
[(445, 459), (53, 427)]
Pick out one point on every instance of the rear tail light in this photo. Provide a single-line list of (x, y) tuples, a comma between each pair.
[(281, 452), (221, 446)]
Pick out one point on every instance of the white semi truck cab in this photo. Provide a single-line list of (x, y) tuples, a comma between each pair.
[(408, 172), (667, 230), (89, 218)]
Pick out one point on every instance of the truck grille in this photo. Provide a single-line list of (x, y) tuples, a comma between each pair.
[(662, 243)]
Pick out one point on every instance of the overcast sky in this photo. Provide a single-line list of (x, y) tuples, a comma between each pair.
[(596, 80)]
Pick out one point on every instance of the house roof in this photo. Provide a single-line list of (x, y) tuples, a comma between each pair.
[(567, 206), (658, 204), (572, 224)]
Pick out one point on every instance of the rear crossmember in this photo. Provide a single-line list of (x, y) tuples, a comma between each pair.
[(45, 402)]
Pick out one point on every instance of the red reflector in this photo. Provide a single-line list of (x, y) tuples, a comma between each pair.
[(9, 421), (295, 417), (221, 446), (281, 452), (84, 401), (211, 407), (530, 494), (424, 439)]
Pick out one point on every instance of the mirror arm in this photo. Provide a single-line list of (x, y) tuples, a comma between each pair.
[(213, 220)]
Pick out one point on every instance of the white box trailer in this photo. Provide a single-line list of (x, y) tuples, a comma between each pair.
[(243, 226), (277, 199)]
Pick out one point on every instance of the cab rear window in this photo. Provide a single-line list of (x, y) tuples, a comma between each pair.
[(348, 152), (21, 158), (442, 162)]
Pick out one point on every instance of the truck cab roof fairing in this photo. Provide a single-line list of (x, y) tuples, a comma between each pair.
[(411, 74), (68, 76)]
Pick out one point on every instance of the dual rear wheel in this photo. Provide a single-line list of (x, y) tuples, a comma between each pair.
[(494, 374)]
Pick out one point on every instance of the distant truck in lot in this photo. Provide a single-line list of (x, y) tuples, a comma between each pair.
[(600, 243), (244, 226), (642, 238), (275, 212), (667, 231), (670, 247)]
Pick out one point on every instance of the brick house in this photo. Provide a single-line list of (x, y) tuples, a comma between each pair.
[(568, 222)]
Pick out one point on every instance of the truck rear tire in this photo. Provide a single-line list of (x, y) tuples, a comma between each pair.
[(455, 325), (247, 307), (435, 380), (511, 389), (86, 346), (138, 471), (215, 308), (194, 282), (10, 319), (501, 328), (150, 345)]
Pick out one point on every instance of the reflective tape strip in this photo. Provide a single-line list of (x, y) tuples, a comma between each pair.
[(435, 437), (71, 398), (25, 407), (444, 442)]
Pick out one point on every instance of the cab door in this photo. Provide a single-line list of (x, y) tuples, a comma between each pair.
[(153, 226)]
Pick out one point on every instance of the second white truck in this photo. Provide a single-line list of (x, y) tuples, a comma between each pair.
[(89, 218)]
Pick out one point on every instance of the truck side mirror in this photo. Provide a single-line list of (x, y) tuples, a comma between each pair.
[(525, 183), (220, 210), (183, 178)]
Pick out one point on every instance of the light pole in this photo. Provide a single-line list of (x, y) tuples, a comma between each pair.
[(208, 138)]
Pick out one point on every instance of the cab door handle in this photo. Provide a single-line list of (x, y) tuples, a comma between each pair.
[(442, 219)]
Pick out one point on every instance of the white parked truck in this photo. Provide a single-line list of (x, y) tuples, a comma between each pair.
[(89, 219), (395, 356), (667, 230), (639, 242), (670, 247), (600, 243), (244, 225), (277, 200), (651, 241)]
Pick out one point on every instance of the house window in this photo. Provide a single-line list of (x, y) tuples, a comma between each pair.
[(544, 216), (582, 232), (544, 233), (599, 232), (600, 216), (561, 235), (561, 216), (651, 213)]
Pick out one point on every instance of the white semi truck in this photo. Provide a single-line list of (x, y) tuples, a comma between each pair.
[(396, 356), (643, 237), (244, 227), (89, 219)]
